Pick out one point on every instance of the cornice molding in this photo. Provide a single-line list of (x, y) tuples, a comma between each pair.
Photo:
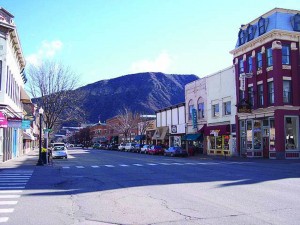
[(266, 38)]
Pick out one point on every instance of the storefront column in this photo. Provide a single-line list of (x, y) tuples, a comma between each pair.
[(279, 135)]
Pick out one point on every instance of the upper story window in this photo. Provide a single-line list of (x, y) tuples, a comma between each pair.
[(249, 64), (261, 26), (285, 55), (200, 110), (250, 96), (215, 110), (260, 95), (250, 32), (259, 60), (241, 65), (269, 57), (287, 92), (242, 38), (227, 108), (296, 22), (271, 92), (191, 106)]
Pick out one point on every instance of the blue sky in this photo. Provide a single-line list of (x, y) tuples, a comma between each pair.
[(103, 39)]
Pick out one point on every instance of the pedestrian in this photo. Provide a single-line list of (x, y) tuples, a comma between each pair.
[(50, 162)]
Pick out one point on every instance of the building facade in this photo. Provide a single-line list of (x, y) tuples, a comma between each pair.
[(266, 60)]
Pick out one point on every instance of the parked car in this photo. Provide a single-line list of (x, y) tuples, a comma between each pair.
[(145, 148), (59, 152), (137, 147), (155, 150), (175, 151), (121, 147), (112, 146), (102, 146), (129, 147), (96, 146)]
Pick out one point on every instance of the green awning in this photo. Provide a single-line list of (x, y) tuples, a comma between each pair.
[(192, 137), (140, 137)]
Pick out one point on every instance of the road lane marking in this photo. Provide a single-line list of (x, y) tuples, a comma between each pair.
[(179, 164), (11, 191), (109, 165), (10, 183), (79, 167), (21, 187), (9, 210), (3, 219), (137, 164), (123, 165), (190, 163), (151, 164), (66, 167), (166, 164), (15, 181), (8, 202), (95, 166), (10, 196)]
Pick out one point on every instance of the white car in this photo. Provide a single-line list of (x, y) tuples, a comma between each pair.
[(145, 148), (129, 147), (121, 147), (59, 152)]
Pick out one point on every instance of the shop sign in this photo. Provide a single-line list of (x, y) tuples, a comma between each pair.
[(244, 107), (3, 121), (15, 122), (194, 118), (25, 124), (174, 129), (215, 132)]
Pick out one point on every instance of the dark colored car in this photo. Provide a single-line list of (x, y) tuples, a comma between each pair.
[(112, 146), (137, 148), (155, 150), (96, 146), (175, 151)]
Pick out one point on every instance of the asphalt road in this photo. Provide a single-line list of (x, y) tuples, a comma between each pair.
[(96, 187)]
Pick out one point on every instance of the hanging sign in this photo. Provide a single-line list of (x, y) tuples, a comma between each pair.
[(3, 121), (25, 124), (194, 118), (15, 122)]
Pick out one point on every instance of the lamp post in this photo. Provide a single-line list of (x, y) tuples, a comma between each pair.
[(40, 161)]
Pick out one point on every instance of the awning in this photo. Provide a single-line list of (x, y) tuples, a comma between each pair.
[(202, 129), (25, 97), (140, 137), (192, 137), (28, 136), (160, 133), (218, 130)]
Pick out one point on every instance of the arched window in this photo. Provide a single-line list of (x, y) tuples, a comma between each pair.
[(200, 108), (262, 26), (296, 22), (242, 38), (250, 32), (191, 107)]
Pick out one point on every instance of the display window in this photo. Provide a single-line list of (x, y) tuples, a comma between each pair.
[(291, 132), (257, 135), (226, 142), (272, 134)]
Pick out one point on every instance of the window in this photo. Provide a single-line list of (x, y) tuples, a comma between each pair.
[(271, 92), (260, 92), (215, 110), (241, 65), (227, 108), (272, 134), (291, 133), (249, 64), (257, 135), (191, 106), (261, 26), (0, 74), (259, 60), (250, 32), (285, 55), (296, 22), (269, 57), (201, 110), (250, 96), (241, 37), (287, 91), (249, 134)]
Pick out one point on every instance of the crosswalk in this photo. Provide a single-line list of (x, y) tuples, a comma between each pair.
[(139, 165), (12, 185)]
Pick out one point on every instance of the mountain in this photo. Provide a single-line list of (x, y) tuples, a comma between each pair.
[(141, 92)]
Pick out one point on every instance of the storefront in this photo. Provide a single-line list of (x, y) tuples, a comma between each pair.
[(140, 139), (193, 143), (161, 136), (220, 140)]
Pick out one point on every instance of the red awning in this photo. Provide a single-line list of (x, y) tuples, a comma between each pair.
[(220, 130)]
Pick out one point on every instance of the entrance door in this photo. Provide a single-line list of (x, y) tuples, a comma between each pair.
[(266, 147), (15, 142)]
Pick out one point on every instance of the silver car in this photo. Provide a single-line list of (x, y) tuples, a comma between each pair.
[(59, 152)]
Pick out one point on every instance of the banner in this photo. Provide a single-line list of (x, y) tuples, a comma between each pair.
[(3, 121), (25, 124), (194, 118)]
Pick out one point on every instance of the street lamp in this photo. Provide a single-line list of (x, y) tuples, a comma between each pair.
[(40, 161)]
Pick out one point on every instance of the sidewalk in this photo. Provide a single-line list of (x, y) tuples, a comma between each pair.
[(25, 161)]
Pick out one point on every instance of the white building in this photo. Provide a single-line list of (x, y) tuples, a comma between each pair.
[(170, 125), (221, 111), (12, 94)]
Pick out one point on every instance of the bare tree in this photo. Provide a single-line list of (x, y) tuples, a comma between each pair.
[(52, 86), (127, 122)]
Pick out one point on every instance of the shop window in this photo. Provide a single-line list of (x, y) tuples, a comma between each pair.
[(250, 32), (257, 135), (191, 106), (227, 108), (260, 94), (287, 92), (215, 110), (249, 64), (249, 134), (285, 55), (250, 96), (212, 142), (269, 57), (291, 133), (261, 26), (241, 66), (226, 142), (259, 60), (201, 110), (272, 134), (242, 37), (271, 92), (296, 22), (219, 142)]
